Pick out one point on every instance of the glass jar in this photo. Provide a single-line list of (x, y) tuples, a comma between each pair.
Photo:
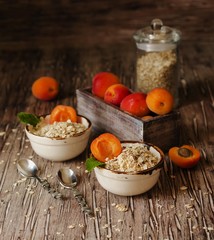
[(157, 58)]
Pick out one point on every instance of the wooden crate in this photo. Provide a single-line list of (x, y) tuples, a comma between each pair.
[(163, 131)]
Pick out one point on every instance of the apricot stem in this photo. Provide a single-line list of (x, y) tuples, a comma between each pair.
[(184, 152)]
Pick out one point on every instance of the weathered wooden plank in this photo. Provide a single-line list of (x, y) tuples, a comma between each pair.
[(181, 205)]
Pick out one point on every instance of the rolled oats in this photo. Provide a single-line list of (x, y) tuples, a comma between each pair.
[(133, 158), (57, 129), (157, 69)]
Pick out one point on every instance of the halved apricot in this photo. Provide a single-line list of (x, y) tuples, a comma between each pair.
[(62, 113), (105, 147), (185, 156)]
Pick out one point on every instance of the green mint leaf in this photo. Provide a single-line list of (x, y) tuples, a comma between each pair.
[(28, 118), (91, 163)]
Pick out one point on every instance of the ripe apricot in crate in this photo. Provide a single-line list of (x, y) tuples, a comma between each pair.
[(135, 104), (45, 88), (116, 93), (101, 81), (160, 101)]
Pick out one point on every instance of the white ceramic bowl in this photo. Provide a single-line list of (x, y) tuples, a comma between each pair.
[(125, 184), (61, 149)]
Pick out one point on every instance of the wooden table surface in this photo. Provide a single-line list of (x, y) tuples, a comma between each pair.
[(72, 41)]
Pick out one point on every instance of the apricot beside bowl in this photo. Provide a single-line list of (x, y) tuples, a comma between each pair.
[(130, 184), (61, 149)]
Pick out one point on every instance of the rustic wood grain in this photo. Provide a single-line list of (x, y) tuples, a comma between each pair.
[(72, 41)]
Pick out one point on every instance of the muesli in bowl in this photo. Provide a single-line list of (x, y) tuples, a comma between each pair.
[(57, 137), (133, 170)]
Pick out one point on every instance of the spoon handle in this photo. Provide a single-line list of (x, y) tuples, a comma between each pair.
[(82, 202), (46, 185)]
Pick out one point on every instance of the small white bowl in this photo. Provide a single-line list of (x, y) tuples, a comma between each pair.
[(126, 184), (61, 149)]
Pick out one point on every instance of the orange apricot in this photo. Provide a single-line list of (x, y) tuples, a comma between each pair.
[(160, 101), (185, 156), (106, 146), (45, 88), (147, 118), (101, 81), (62, 113), (135, 104), (116, 93)]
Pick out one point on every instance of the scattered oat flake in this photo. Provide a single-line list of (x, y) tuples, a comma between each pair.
[(49, 175), (81, 225), (71, 226), (1, 162), (7, 143), (106, 225), (117, 230), (2, 134), (188, 205), (183, 188), (121, 207), (113, 204), (78, 167), (14, 130)]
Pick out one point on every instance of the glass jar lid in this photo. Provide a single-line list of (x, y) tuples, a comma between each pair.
[(157, 37)]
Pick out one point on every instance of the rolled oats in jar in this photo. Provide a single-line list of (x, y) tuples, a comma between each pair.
[(157, 58)]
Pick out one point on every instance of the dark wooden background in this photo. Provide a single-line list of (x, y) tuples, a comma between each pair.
[(72, 41)]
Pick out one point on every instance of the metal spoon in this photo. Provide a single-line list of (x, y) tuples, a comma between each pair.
[(68, 179), (28, 168)]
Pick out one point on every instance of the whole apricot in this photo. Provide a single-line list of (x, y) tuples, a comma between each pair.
[(101, 81), (116, 93), (45, 88), (135, 104), (160, 101), (147, 118)]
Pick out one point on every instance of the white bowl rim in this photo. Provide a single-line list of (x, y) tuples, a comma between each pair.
[(77, 135), (159, 165)]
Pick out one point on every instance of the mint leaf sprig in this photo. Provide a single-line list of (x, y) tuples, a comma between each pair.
[(92, 162), (28, 118)]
